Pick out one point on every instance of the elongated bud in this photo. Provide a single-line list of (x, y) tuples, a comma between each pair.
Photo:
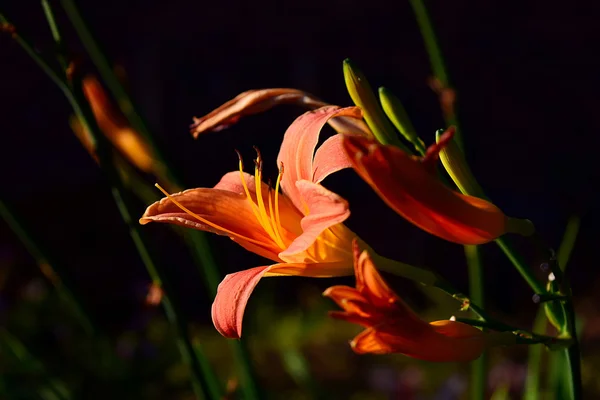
[(456, 165), (393, 108), (362, 95)]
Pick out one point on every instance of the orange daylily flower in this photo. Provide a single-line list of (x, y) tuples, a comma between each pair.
[(392, 327), (299, 229), (259, 100), (114, 126), (409, 185)]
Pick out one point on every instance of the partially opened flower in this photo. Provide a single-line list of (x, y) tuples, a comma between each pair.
[(409, 185), (392, 327), (299, 229)]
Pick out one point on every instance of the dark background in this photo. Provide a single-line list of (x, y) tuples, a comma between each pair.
[(527, 85)]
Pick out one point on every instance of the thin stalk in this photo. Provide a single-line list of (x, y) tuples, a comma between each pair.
[(568, 242), (436, 59), (74, 94), (573, 354), (114, 86), (197, 241), (50, 268), (431, 43), (14, 347), (439, 71), (202, 255), (204, 384), (476, 291), (521, 265), (31, 52), (534, 360)]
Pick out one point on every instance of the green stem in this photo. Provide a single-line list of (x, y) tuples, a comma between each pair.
[(202, 256), (534, 360), (14, 347), (197, 241), (573, 354), (51, 269), (521, 265), (431, 43), (436, 59), (114, 86), (476, 292), (203, 387), (203, 384), (35, 56)]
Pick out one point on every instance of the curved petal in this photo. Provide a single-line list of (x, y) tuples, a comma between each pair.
[(230, 303), (325, 210), (251, 102), (428, 346), (455, 329), (329, 158), (370, 341), (410, 190), (227, 213), (344, 294), (289, 214), (298, 146), (235, 290)]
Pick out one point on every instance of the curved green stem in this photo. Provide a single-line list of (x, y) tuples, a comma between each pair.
[(204, 386), (197, 241)]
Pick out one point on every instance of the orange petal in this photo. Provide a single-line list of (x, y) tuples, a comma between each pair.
[(410, 190), (347, 298), (235, 290), (330, 157), (370, 283), (231, 300), (252, 102), (298, 148), (324, 210), (427, 346), (370, 341), (289, 214), (115, 127), (352, 317), (256, 101), (229, 212)]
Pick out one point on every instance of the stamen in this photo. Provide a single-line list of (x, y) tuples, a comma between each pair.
[(243, 179), (272, 218), (207, 222), (265, 220), (277, 219)]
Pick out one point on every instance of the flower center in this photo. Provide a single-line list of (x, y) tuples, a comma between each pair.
[(268, 219)]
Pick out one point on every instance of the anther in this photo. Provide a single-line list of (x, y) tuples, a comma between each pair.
[(258, 161)]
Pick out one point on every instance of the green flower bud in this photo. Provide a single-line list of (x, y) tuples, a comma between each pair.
[(362, 95), (392, 107)]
